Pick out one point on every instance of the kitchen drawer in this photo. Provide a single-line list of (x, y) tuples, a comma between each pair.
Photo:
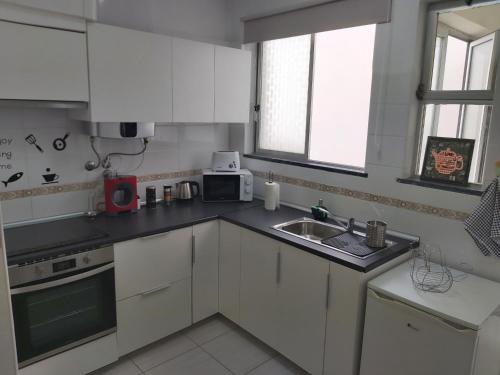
[(155, 314), (151, 262)]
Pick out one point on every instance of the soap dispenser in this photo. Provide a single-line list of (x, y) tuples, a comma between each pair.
[(319, 211)]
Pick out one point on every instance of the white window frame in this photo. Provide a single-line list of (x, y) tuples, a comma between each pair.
[(304, 157), (473, 97)]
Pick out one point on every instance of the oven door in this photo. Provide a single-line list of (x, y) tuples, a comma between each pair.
[(62, 313), (221, 187)]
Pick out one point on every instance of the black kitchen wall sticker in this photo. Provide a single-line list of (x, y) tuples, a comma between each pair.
[(50, 178), (31, 139), (60, 144)]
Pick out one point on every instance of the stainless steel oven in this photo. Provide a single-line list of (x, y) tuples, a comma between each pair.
[(62, 303)]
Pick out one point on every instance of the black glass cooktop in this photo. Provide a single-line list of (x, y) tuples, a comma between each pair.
[(35, 239)]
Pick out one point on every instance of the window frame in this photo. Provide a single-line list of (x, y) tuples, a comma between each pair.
[(303, 158), (426, 95)]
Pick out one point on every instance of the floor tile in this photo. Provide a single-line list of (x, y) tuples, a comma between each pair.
[(278, 366), (238, 351), (209, 329), (122, 367), (194, 362), (162, 351)]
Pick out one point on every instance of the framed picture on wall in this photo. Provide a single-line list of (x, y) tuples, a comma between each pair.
[(448, 160)]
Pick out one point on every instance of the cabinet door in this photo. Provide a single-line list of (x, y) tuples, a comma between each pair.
[(38, 63), (193, 80), (399, 339), (69, 7), (147, 263), (205, 270), (130, 75), (259, 286), (229, 271), (302, 296), (152, 315), (232, 85)]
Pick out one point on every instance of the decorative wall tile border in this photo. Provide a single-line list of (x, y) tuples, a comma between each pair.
[(81, 186), (393, 202)]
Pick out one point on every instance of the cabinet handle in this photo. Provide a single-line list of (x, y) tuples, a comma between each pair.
[(155, 290), (154, 236), (193, 250), (278, 268), (328, 291)]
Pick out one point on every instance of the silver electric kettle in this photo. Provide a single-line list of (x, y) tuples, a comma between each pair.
[(187, 189)]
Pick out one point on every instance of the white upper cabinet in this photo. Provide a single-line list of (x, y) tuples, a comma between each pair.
[(130, 75), (232, 85), (193, 81), (77, 8), (38, 63)]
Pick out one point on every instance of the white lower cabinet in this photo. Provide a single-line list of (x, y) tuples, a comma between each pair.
[(148, 317), (205, 270), (229, 270), (153, 287), (259, 286), (302, 306), (283, 298)]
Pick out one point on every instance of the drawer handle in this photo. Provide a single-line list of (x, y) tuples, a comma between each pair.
[(156, 290), (410, 326), (154, 236)]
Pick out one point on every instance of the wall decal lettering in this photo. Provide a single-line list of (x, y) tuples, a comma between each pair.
[(60, 144), (13, 178), (50, 178), (5, 155), (32, 141)]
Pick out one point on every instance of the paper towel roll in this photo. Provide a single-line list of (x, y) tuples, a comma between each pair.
[(271, 196)]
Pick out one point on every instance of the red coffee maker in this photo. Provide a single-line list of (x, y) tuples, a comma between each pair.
[(120, 194)]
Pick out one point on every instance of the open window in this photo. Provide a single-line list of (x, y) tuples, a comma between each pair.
[(458, 83)]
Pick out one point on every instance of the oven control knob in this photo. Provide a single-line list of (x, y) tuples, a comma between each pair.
[(86, 260)]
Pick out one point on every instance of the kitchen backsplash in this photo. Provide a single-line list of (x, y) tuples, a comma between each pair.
[(43, 152)]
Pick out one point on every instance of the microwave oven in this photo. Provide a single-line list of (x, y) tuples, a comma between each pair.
[(227, 186)]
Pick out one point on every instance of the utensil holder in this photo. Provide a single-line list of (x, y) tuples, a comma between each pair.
[(375, 233)]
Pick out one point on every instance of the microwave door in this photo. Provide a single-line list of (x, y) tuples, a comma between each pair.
[(221, 188)]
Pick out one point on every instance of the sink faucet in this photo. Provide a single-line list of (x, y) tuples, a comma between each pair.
[(349, 227)]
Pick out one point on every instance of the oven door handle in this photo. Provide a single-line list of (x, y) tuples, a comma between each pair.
[(64, 280)]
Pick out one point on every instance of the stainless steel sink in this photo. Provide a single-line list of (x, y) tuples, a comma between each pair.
[(317, 231), (310, 229)]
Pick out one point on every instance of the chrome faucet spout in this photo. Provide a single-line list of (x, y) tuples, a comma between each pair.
[(349, 227)]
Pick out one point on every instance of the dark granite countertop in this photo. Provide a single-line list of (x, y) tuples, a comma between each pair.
[(44, 239)]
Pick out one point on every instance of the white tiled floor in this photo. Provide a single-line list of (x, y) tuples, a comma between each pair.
[(212, 347)]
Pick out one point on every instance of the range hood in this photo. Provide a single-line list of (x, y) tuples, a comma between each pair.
[(51, 104)]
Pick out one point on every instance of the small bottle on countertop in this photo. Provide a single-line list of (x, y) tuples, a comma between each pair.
[(150, 197), (167, 194)]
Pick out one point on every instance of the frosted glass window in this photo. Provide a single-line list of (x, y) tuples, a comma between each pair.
[(340, 107), (284, 94), (454, 67)]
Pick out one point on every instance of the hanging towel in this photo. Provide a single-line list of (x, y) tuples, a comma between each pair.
[(484, 223)]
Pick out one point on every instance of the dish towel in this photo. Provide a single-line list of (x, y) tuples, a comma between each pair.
[(484, 223)]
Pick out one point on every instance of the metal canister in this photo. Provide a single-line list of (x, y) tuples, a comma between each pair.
[(375, 233), (150, 196)]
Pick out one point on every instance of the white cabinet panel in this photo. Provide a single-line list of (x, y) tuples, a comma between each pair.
[(259, 286), (146, 318), (193, 81), (130, 75), (229, 271), (205, 270), (232, 85), (38, 63), (399, 339), (302, 296), (152, 262), (69, 7)]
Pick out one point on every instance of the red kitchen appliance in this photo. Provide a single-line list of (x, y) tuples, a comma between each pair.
[(120, 194)]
